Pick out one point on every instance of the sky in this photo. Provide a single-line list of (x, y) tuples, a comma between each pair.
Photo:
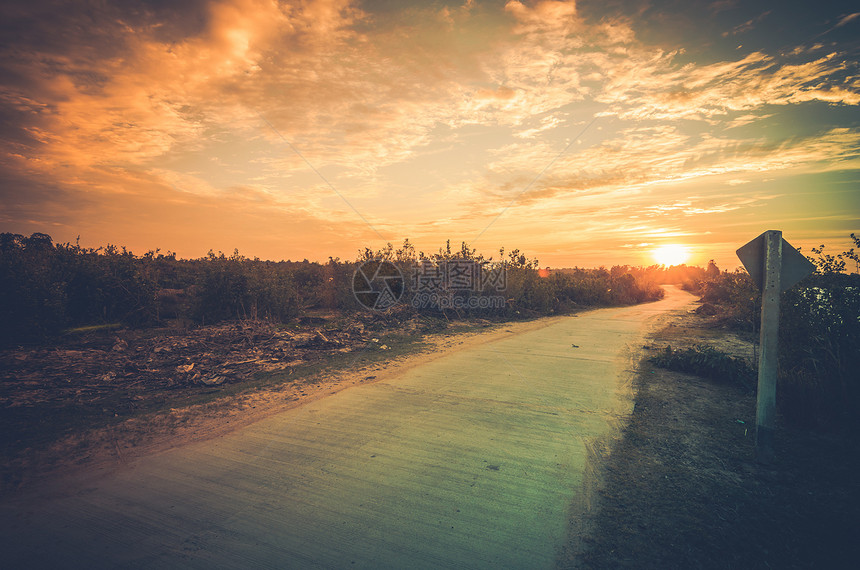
[(582, 133)]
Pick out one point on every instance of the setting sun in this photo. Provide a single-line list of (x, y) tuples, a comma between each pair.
[(672, 254)]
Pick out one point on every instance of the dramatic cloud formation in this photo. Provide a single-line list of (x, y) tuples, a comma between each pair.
[(583, 133)]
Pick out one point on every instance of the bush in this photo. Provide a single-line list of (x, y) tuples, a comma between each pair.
[(819, 328), (707, 362), (820, 352), (49, 288)]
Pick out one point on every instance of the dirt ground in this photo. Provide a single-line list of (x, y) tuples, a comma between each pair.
[(680, 487)]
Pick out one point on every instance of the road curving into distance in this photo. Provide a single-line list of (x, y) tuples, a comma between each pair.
[(471, 460)]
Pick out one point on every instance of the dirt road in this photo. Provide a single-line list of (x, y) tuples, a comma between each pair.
[(471, 460)]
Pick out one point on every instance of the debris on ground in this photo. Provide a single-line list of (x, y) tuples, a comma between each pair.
[(85, 366)]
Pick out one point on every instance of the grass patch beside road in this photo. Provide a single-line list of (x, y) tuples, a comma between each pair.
[(707, 362)]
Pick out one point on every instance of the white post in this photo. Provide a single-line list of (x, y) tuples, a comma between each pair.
[(766, 401)]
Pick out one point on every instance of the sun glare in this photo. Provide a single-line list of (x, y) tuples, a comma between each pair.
[(672, 254)]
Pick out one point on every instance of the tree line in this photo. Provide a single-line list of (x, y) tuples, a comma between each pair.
[(48, 288)]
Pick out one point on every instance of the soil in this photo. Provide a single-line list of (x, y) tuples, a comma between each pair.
[(680, 488)]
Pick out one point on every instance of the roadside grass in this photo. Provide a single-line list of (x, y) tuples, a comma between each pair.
[(707, 362)]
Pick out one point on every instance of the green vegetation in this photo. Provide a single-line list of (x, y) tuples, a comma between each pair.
[(707, 362), (819, 336), (528, 291), (51, 288)]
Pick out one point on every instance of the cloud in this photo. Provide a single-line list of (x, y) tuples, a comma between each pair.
[(541, 17), (847, 19), (747, 26), (422, 117), (655, 88), (647, 158)]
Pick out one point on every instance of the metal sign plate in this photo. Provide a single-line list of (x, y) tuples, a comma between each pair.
[(794, 265)]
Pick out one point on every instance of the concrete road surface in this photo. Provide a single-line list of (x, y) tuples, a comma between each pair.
[(471, 460)]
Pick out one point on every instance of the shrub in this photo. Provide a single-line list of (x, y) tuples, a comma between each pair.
[(48, 288), (820, 352), (819, 328), (707, 362)]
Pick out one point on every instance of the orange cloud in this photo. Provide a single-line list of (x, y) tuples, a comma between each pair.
[(428, 120)]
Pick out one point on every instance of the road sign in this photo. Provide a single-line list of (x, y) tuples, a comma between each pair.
[(793, 268), (775, 266)]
